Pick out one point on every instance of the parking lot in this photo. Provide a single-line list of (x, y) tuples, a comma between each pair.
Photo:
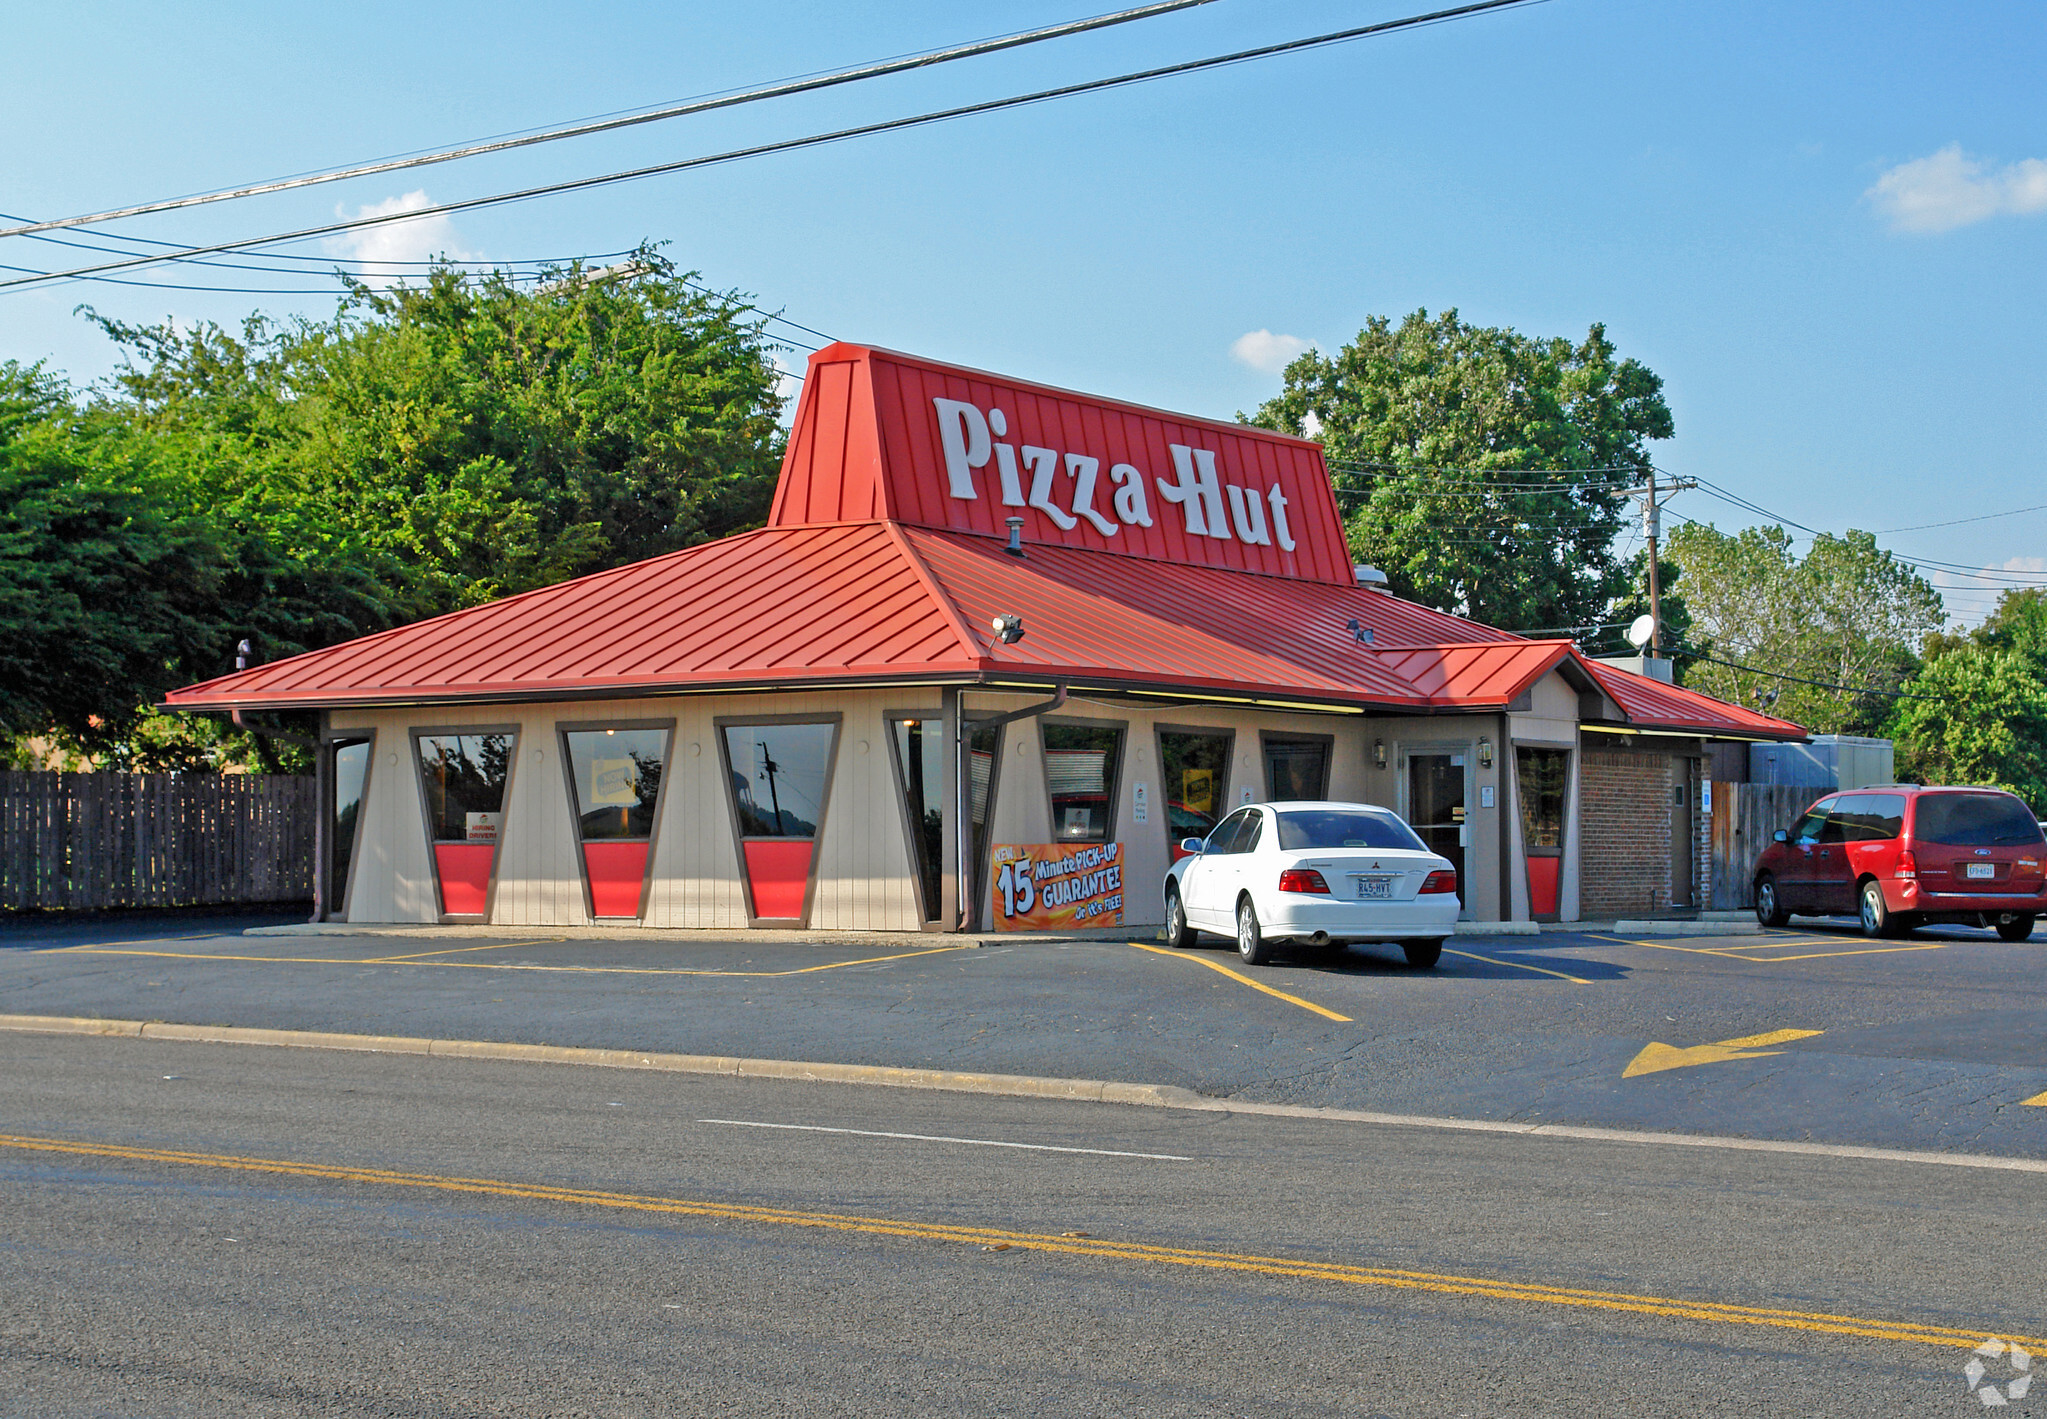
[(1933, 1041)]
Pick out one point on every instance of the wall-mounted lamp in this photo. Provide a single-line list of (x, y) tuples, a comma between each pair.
[(1008, 629), (1485, 752), (1379, 753)]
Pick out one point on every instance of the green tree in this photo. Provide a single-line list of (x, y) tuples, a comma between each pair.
[(1848, 613), (464, 439), (1981, 715), (1481, 467)]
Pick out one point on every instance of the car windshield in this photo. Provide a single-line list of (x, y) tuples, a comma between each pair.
[(1974, 820), (1310, 829)]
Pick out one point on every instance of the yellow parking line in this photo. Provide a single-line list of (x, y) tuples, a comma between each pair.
[(455, 950), (1517, 965), (1307, 1005), (1490, 1288), (1736, 953), (519, 966)]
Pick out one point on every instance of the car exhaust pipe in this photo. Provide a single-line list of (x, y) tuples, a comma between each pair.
[(1320, 938)]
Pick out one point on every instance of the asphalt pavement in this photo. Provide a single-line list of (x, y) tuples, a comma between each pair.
[(1937, 1041), (204, 1229)]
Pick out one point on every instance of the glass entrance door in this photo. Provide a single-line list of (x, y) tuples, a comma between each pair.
[(1435, 809)]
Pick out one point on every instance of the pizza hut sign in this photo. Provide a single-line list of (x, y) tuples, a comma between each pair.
[(1071, 487)]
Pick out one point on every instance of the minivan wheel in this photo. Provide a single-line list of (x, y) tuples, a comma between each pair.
[(1179, 935), (2017, 929), (1876, 914), (1251, 942), (1769, 911)]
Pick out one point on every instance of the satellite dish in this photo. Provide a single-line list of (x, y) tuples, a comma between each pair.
[(1641, 631)]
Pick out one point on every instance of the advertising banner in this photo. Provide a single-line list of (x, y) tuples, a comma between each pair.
[(1054, 886)]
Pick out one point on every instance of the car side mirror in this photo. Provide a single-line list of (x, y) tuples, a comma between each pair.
[(1193, 845), (1781, 836)]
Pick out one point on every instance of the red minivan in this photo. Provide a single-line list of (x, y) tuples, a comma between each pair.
[(1903, 856)]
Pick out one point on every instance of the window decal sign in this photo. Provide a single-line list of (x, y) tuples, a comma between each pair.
[(1055, 886)]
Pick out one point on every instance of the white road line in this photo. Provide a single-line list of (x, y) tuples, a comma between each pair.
[(936, 1138)]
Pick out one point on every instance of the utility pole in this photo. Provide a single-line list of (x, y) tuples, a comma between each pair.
[(769, 768), (1652, 498)]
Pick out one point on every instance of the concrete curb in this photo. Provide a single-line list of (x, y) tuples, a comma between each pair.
[(1167, 1096)]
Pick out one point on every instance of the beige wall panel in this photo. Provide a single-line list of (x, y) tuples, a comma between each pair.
[(696, 863), (865, 871), (540, 876)]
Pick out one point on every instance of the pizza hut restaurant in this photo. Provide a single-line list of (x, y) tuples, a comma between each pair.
[(999, 648)]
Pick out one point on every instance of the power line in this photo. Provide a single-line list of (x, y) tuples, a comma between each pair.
[(814, 140), (781, 89), (1802, 680)]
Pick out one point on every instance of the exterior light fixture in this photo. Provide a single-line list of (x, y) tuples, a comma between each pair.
[(1008, 629), (1379, 753), (1015, 547), (242, 654), (1360, 632), (1485, 751)]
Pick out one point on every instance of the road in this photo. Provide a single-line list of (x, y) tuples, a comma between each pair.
[(205, 1229), (1938, 1041)]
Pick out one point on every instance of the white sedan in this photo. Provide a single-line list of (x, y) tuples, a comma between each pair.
[(1315, 872)]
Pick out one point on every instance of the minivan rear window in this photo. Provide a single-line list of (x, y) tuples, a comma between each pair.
[(1974, 820), (1311, 830), (1870, 817)]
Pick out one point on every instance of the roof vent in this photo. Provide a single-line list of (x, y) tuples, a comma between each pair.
[(1015, 547), (1362, 634), (1368, 576)]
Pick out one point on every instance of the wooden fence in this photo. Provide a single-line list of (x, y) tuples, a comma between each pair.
[(1745, 816), (85, 842)]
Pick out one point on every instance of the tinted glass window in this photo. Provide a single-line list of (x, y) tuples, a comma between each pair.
[(465, 778), (1335, 828), (1225, 837), (1545, 774), (920, 778), (1808, 829), (984, 753), (616, 777), (1870, 817), (1082, 763), (779, 773), (351, 772), (1296, 771), (1196, 770), (1251, 834), (1973, 820)]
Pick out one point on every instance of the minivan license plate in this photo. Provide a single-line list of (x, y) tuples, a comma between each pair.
[(1981, 869), (1375, 886)]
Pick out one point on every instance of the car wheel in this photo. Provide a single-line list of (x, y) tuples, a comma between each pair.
[(1422, 955), (1179, 935), (1769, 911), (1876, 914), (2017, 929), (1251, 942)]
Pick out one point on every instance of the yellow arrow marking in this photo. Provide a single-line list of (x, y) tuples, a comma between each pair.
[(2040, 1099), (1656, 1057)]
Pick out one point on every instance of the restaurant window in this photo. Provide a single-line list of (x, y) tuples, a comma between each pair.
[(917, 745), (1543, 778), (1083, 763), (351, 769), (779, 775), (464, 775), (1296, 767), (1195, 766), (615, 774), (984, 762)]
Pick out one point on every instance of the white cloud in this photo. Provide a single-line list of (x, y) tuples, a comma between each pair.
[(418, 240), (1263, 350), (1950, 189), (1971, 598)]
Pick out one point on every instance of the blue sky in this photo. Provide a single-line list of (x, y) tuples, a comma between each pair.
[(1822, 224)]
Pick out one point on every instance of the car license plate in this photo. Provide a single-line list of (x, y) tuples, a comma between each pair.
[(1381, 887), (1981, 869)]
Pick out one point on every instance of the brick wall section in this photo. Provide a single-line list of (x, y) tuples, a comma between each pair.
[(1625, 825)]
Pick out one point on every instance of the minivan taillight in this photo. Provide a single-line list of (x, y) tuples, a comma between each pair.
[(1908, 866), (1302, 879), (1440, 881)]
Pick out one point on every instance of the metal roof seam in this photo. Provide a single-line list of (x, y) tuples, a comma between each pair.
[(970, 643)]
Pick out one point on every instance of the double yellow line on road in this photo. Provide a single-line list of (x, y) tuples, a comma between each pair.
[(1489, 1288)]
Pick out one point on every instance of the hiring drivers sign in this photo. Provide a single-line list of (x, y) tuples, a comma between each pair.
[(1049, 886)]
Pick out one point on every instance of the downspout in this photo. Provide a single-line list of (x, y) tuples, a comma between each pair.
[(964, 911)]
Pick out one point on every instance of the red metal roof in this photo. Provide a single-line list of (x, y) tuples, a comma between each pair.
[(883, 562)]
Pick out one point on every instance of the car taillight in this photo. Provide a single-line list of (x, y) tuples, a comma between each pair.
[(1440, 882), (1908, 866), (1302, 879)]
